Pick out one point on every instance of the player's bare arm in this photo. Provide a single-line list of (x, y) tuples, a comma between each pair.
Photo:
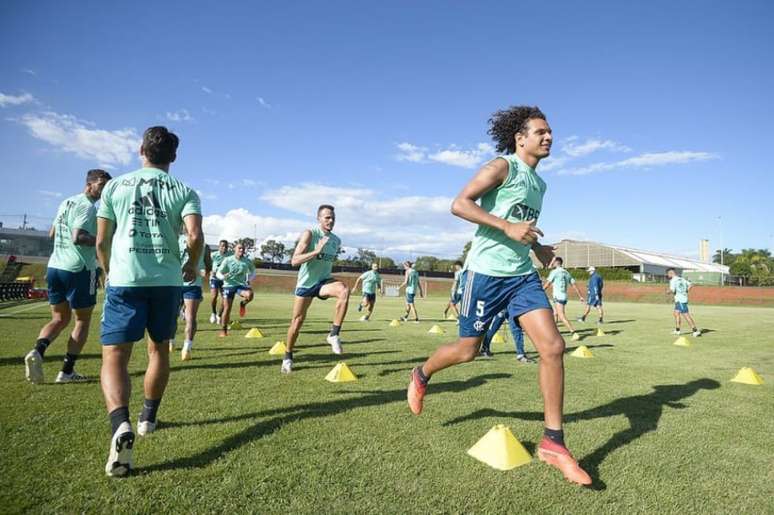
[(104, 241), (300, 255), (193, 227), (83, 238)]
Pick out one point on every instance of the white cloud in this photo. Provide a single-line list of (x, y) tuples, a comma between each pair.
[(206, 196), (250, 183), (647, 160), (28, 71), (263, 103), (207, 110), (52, 194), (464, 158), (207, 90), (590, 146), (81, 138), (240, 223), (15, 100), (410, 152), (181, 115)]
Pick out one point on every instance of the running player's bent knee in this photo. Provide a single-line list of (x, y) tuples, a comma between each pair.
[(553, 348), (467, 353)]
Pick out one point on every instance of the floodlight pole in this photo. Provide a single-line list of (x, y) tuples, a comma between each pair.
[(722, 250)]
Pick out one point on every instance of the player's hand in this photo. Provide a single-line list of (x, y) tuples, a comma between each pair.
[(189, 272), (320, 244), (524, 232), (544, 253)]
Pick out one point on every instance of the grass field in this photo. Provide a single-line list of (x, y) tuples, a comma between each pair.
[(659, 427)]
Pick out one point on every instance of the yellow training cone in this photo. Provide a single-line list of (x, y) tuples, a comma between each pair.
[(254, 333), (278, 349), (600, 332), (747, 375), (498, 338), (500, 449), (451, 317), (235, 325), (341, 373), (582, 352), (394, 323), (682, 342), (575, 337), (436, 329)]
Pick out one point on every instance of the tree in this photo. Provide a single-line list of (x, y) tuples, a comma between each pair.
[(249, 244), (728, 257), (426, 263), (273, 251), (465, 251), (385, 262)]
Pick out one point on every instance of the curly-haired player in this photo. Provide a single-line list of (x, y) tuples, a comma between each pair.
[(499, 273)]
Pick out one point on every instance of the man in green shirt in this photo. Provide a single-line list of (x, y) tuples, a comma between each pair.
[(315, 253), (499, 273), (72, 279), (138, 224), (216, 285), (456, 288), (413, 286), (192, 294), (236, 271), (372, 282), (559, 279), (680, 287)]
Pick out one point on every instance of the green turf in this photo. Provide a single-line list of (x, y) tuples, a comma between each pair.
[(660, 427)]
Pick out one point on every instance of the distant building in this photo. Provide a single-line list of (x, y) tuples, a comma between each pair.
[(645, 265), (26, 243)]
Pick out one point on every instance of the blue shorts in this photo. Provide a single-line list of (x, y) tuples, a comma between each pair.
[(129, 311), (483, 296), (192, 293), (456, 298), (231, 291), (681, 307), (410, 298), (370, 297), (215, 283), (562, 302), (313, 291), (595, 301), (77, 288)]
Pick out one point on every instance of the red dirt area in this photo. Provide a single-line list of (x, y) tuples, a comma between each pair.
[(657, 293)]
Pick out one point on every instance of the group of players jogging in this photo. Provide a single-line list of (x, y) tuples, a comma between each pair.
[(146, 237)]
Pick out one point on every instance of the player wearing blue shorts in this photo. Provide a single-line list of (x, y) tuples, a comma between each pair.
[(372, 282), (594, 295), (559, 279), (192, 294), (499, 273), (138, 223), (516, 332), (413, 286), (236, 271), (72, 279), (680, 287), (455, 293), (216, 285), (315, 253)]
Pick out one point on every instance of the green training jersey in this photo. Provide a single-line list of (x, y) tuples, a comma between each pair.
[(183, 244), (217, 258), (147, 207), (76, 212), (412, 283), (679, 287), (319, 268), (518, 199), (560, 279), (371, 281), (239, 271), (456, 286)]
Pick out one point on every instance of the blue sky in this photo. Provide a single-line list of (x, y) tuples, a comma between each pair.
[(661, 112)]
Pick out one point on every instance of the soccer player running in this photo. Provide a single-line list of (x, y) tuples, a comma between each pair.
[(315, 253), (499, 273), (411, 282), (216, 285), (72, 279), (372, 281), (454, 297), (680, 287), (192, 293), (138, 224), (516, 332), (559, 278), (236, 272), (594, 295)]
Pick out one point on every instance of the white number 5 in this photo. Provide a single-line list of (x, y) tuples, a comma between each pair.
[(480, 308)]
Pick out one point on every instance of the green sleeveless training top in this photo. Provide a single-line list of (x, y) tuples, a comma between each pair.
[(319, 269)]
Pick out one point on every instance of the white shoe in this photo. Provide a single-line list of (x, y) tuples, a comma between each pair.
[(696, 333), (335, 343), (364, 318), (186, 355), (120, 463), (213, 318), (75, 377), (145, 427), (33, 364), (287, 366), (171, 345), (676, 332), (217, 320)]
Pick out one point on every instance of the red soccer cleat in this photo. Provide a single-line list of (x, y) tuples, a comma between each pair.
[(558, 456), (416, 393), (242, 310)]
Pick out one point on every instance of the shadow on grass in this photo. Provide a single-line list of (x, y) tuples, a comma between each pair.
[(642, 411), (50, 358), (275, 419), (597, 346)]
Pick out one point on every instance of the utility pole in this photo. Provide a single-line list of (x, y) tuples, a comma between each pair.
[(24, 222)]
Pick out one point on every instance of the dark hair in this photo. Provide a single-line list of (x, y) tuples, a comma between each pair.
[(458, 263), (561, 261), (223, 241), (408, 263), (159, 146), (505, 123), (97, 174), (672, 269), (324, 206)]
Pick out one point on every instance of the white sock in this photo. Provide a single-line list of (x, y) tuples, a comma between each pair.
[(188, 344)]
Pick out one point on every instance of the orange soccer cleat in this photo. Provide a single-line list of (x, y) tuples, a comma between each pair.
[(416, 393), (558, 456)]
